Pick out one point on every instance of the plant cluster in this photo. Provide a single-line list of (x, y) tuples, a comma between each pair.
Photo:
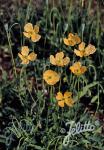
[(57, 67)]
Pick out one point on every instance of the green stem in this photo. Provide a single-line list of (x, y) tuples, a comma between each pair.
[(78, 88), (10, 47), (20, 85), (51, 94), (60, 80), (27, 12)]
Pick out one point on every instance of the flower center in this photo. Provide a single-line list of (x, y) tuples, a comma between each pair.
[(30, 33), (63, 99), (49, 77)]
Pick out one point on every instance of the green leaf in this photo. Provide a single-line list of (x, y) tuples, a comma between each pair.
[(93, 100), (85, 89), (36, 147), (2, 138), (53, 100)]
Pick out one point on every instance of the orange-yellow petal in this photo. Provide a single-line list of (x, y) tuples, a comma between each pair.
[(32, 56), (25, 50), (52, 60), (66, 60), (28, 27), (71, 68), (70, 35), (66, 41), (59, 56), (69, 102), (71, 42), (35, 37), (36, 28), (59, 96), (79, 53), (90, 49), (67, 94), (24, 60), (83, 69), (61, 103), (81, 46), (21, 57), (77, 39), (26, 34), (77, 65)]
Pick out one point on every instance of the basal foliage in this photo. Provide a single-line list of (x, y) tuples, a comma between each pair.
[(57, 77)]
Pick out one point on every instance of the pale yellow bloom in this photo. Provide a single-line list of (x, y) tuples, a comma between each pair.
[(32, 32), (78, 69), (51, 77), (59, 59), (25, 56), (65, 98), (82, 51), (72, 40)]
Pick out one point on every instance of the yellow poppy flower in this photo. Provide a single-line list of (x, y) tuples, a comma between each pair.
[(78, 69), (51, 77), (82, 51), (32, 32), (59, 59), (72, 40), (25, 56), (65, 98)]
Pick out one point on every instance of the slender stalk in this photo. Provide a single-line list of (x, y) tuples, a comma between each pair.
[(10, 47), (51, 94), (78, 88), (21, 72), (60, 80), (27, 12)]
